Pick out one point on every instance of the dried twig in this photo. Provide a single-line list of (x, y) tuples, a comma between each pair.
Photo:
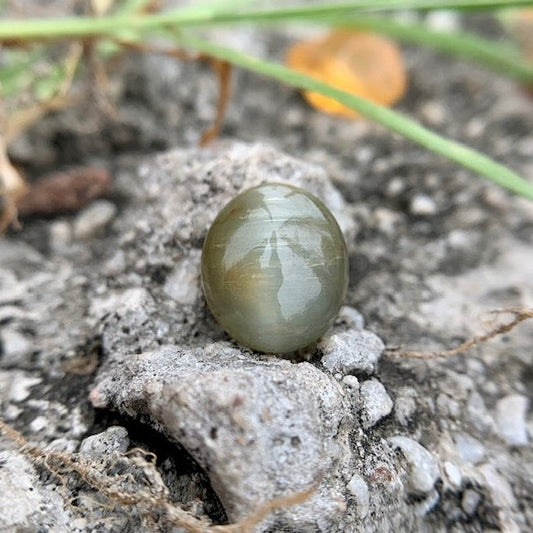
[(151, 500), (519, 315), (223, 70)]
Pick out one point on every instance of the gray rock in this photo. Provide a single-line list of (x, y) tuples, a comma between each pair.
[(113, 440), (94, 218), (26, 504), (375, 402), (423, 468), (511, 419), (261, 427), (351, 351)]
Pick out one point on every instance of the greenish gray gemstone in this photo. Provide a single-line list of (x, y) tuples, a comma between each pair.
[(275, 268)]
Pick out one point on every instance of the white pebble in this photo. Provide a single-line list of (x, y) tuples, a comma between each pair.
[(433, 112), (94, 218), (423, 205), (14, 344), (351, 351), (499, 487), (351, 382), (453, 474), (511, 419), (376, 403), (351, 317), (358, 488), (60, 235), (424, 470), (38, 424), (395, 187), (469, 449), (405, 405), (444, 20), (183, 283), (470, 501), (20, 386)]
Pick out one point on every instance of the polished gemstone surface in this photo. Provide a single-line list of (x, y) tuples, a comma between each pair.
[(275, 268)]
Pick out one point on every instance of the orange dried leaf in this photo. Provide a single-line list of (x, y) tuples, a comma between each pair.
[(523, 30), (360, 63)]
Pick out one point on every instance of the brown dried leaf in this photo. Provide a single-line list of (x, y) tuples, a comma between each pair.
[(65, 191)]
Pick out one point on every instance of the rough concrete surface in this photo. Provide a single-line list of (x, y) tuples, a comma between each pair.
[(106, 343)]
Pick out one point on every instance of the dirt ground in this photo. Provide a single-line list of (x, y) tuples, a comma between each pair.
[(104, 330)]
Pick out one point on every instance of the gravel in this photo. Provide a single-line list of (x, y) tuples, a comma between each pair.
[(108, 327)]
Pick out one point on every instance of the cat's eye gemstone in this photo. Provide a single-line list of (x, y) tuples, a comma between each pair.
[(275, 268)]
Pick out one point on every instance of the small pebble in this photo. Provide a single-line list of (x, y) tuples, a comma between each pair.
[(358, 488), (423, 205), (511, 419), (470, 501), (38, 424), (444, 20), (453, 474), (376, 403), (386, 220), (351, 351), (19, 388), (15, 346), (424, 470), (424, 506), (478, 413), (433, 112), (395, 187), (60, 235), (183, 283), (94, 218), (459, 239), (113, 440), (352, 382), (499, 487), (469, 449), (405, 405), (351, 317)]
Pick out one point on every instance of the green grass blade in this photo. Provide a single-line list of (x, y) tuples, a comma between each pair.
[(498, 56), (181, 18), (127, 7), (465, 156)]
